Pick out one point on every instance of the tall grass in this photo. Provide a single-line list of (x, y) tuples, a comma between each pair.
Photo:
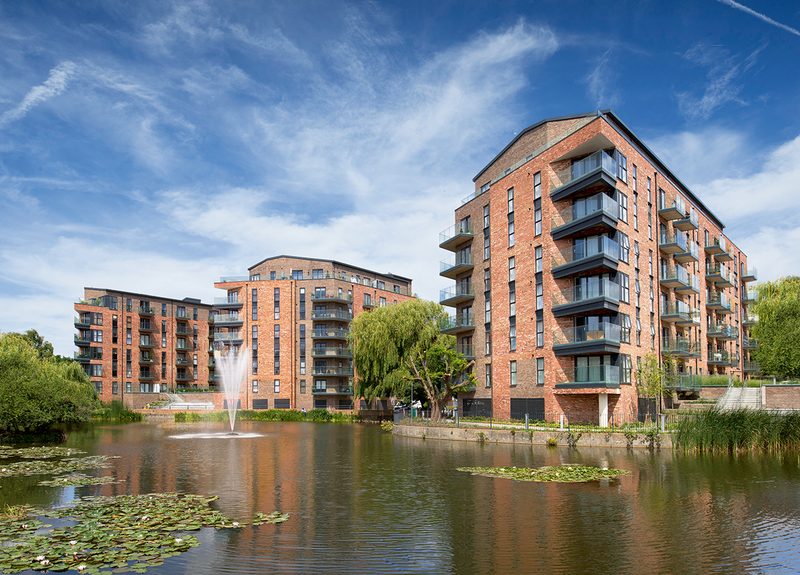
[(739, 430), (116, 412)]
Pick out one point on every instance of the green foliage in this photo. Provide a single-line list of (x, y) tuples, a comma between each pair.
[(42, 347), (387, 426), (739, 430), (321, 415), (560, 474), (37, 392), (650, 377), (400, 346), (116, 412), (778, 328)]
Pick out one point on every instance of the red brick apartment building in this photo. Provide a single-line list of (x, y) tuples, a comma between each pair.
[(578, 254), (132, 343), (293, 315)]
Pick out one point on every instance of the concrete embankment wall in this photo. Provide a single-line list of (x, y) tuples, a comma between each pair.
[(523, 437)]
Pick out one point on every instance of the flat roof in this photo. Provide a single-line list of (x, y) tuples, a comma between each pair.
[(388, 275), (189, 300)]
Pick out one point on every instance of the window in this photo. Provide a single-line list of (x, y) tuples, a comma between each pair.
[(539, 294), (487, 280), (488, 339), (623, 208), (538, 256), (181, 311), (297, 274), (302, 303), (486, 217), (622, 166), (511, 200), (488, 375), (625, 328), (316, 274), (537, 217), (255, 386), (272, 275), (625, 288), (539, 333), (635, 211), (128, 386), (626, 367), (513, 373), (636, 253), (539, 371), (512, 269), (634, 185), (302, 386), (163, 309), (487, 245), (512, 337), (367, 299), (488, 311), (511, 230), (128, 335), (114, 388), (484, 188), (277, 297), (650, 262), (194, 314), (512, 303), (537, 185), (277, 386), (382, 302), (624, 248)]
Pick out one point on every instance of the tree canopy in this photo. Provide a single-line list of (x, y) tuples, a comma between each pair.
[(400, 346), (778, 328), (37, 392)]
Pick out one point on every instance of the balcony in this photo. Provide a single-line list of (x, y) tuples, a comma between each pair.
[(595, 172), (458, 323), (692, 287), (147, 343), (749, 319), (232, 338), (146, 376), (227, 303), (335, 314), (344, 371), (147, 327), (672, 210), (751, 366), (183, 331), (595, 295), (716, 273), (602, 337), (720, 357), (230, 319), (455, 265), (457, 294), (595, 253), (692, 254), (330, 333), (750, 343), (332, 389), (83, 357), (82, 323), (749, 296), (81, 341), (749, 274), (467, 350), (454, 236), (719, 302), (183, 362), (726, 256), (722, 331), (716, 246), (183, 377), (687, 223), (598, 213), (369, 304), (146, 310), (331, 352), (147, 360), (674, 277), (592, 376), (672, 243), (337, 297), (680, 347), (675, 311)]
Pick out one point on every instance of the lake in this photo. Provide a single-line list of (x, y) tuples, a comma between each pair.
[(362, 501)]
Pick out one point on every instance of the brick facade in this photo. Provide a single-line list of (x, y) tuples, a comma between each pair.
[(548, 173)]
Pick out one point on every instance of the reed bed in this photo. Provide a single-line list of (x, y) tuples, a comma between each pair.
[(739, 430), (321, 415)]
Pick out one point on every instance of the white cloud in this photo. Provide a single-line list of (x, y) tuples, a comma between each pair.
[(724, 80), (55, 84), (760, 16), (600, 83)]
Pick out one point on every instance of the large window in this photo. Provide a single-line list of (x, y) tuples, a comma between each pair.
[(623, 208), (538, 256), (513, 373), (539, 371), (488, 375), (512, 269)]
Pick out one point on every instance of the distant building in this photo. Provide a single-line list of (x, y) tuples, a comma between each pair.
[(578, 253), (292, 314)]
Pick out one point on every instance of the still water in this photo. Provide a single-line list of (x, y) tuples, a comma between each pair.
[(362, 501)]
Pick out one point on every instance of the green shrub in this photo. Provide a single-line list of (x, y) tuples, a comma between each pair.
[(117, 412)]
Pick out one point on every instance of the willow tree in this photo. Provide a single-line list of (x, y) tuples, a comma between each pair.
[(778, 328), (401, 345)]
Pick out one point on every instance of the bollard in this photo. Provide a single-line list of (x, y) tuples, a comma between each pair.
[(526, 422), (561, 428), (663, 419)]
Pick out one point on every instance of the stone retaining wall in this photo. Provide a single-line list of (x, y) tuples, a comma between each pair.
[(523, 437)]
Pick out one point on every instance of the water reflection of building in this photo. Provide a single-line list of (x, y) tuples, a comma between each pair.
[(293, 315), (577, 254)]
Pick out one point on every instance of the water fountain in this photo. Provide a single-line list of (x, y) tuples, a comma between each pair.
[(232, 366)]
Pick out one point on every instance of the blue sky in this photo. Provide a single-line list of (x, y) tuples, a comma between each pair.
[(156, 146)]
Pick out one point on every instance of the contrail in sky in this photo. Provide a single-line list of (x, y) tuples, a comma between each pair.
[(766, 19)]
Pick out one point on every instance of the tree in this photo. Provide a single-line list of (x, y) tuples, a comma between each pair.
[(651, 377), (778, 327), (400, 346), (37, 392), (42, 347)]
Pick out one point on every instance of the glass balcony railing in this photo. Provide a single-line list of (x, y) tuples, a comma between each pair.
[(459, 260), (330, 333), (331, 389), (332, 296), (749, 274), (680, 346), (331, 314), (672, 242), (749, 295), (219, 336), (348, 371), (717, 245), (750, 343), (331, 352), (230, 300), (599, 203), (720, 357), (455, 232), (458, 321), (718, 300), (676, 309), (690, 252), (460, 290), (600, 375), (587, 333), (587, 249), (689, 222), (751, 366), (722, 330), (592, 289), (678, 204), (674, 275), (228, 318), (749, 318), (466, 349)]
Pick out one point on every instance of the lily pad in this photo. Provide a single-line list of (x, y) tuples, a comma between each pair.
[(43, 452), (41, 467), (73, 479), (560, 474)]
